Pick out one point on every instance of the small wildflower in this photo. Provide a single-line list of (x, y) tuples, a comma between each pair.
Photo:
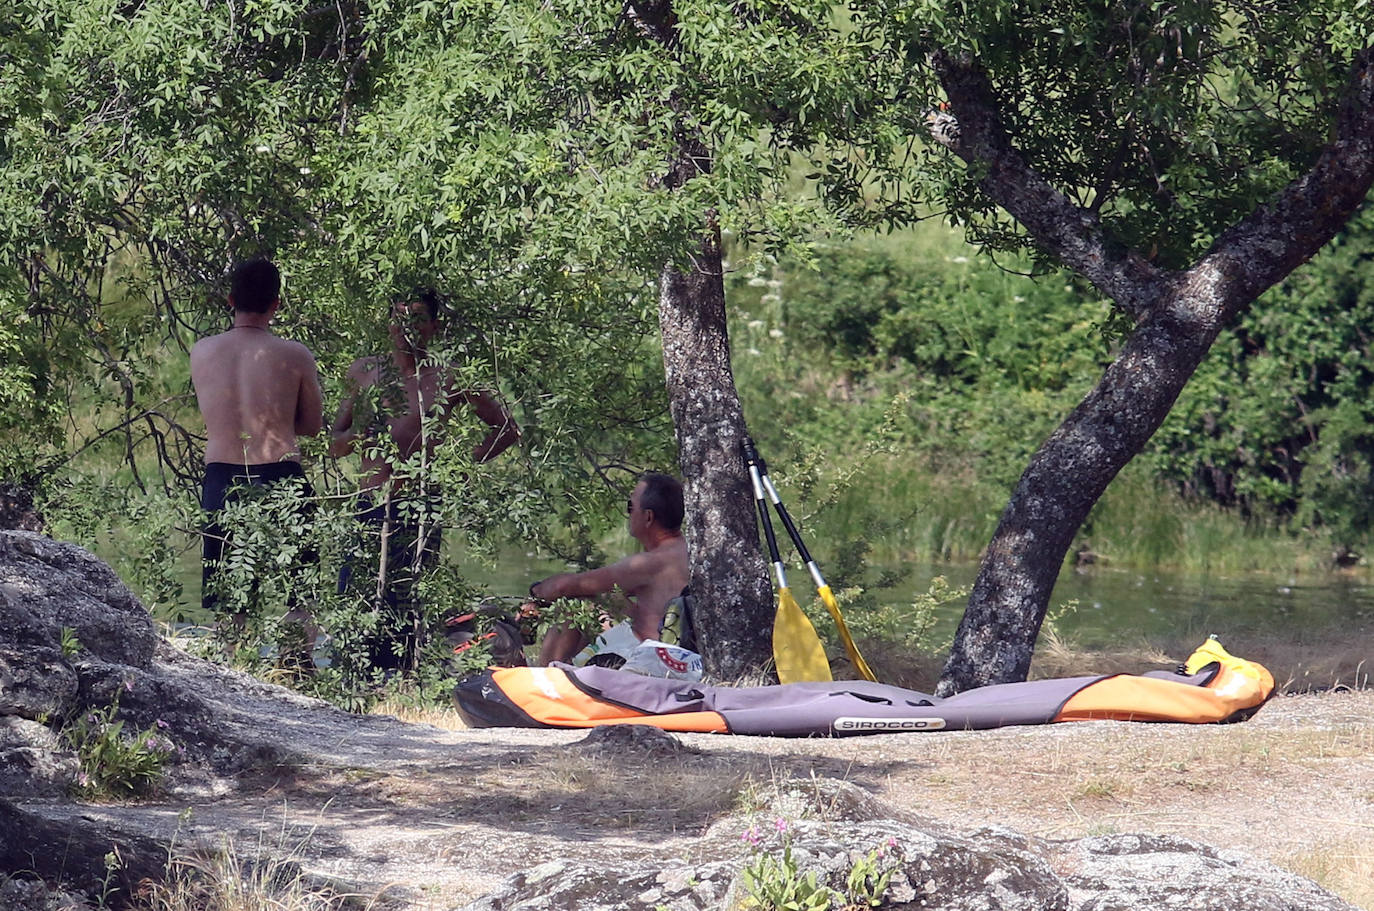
[(780, 824), (752, 836), (262, 148), (161, 724), (775, 333), (128, 686), (305, 170)]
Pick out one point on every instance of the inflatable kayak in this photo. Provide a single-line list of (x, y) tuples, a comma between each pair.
[(1211, 686)]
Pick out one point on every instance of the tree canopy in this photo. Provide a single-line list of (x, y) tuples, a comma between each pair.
[(550, 166)]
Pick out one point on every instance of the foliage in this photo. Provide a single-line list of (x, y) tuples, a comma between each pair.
[(773, 880), (113, 762), (1167, 121), (1278, 419), (1272, 427), (509, 155), (69, 643)]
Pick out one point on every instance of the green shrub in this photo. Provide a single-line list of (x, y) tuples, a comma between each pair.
[(114, 762)]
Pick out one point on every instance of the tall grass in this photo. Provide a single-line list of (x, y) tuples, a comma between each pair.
[(948, 515)]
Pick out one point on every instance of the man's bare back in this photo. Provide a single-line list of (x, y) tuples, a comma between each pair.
[(257, 393)]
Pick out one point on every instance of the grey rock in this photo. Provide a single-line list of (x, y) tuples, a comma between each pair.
[(830, 826), (19, 893), (1120, 872), (36, 681), (632, 738), (48, 585), (71, 850), (32, 759), (930, 866)]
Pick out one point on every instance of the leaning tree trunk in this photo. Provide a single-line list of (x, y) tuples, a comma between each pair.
[(731, 595), (1178, 316), (1063, 481)]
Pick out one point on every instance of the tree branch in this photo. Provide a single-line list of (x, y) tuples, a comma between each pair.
[(1276, 238), (972, 129)]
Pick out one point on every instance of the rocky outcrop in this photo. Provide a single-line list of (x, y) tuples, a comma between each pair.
[(832, 828), (74, 638)]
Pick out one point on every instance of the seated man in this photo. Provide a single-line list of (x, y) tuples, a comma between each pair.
[(649, 579)]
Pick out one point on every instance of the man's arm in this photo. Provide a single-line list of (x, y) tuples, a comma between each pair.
[(309, 400), (504, 432), (629, 575), (342, 435)]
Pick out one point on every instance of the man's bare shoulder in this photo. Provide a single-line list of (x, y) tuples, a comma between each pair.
[(667, 556), (363, 370), (207, 346), (295, 348)]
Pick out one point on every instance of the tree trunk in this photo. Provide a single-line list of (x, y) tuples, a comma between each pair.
[(1178, 317), (732, 596), (1064, 479)]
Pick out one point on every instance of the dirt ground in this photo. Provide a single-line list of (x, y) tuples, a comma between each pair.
[(435, 827)]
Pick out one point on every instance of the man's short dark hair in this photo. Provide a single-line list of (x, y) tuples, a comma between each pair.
[(434, 305), (662, 494), (255, 286), (430, 298)]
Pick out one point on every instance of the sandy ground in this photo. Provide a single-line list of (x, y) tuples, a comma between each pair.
[(443, 820)]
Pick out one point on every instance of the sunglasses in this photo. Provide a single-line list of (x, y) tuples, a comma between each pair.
[(629, 507)]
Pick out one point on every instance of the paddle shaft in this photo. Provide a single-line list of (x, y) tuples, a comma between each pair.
[(767, 522), (758, 471)]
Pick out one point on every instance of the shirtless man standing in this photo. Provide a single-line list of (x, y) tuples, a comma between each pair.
[(649, 579), (257, 393), (415, 396)]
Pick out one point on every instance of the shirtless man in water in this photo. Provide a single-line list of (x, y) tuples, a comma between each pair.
[(649, 579), (415, 396), (258, 393)]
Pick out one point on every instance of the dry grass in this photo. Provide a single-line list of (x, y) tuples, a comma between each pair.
[(1297, 667), (225, 880), (438, 716), (1347, 869)]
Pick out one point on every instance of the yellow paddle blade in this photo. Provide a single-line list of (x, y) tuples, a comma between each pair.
[(850, 648), (797, 650)]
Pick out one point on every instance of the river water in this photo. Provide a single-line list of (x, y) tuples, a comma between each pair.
[(1123, 607)]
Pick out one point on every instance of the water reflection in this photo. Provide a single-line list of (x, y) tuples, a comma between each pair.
[(1121, 607)]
